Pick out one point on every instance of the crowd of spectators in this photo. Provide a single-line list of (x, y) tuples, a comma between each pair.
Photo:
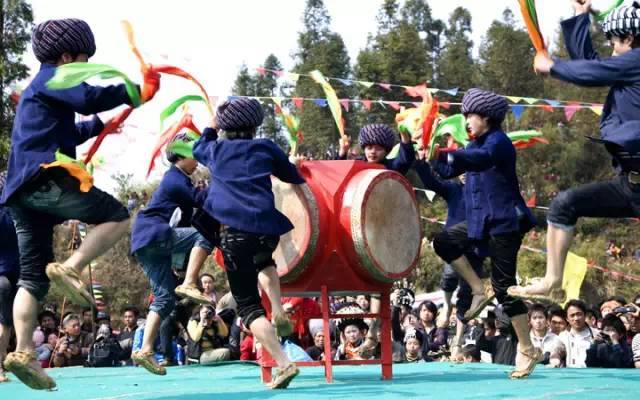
[(574, 336)]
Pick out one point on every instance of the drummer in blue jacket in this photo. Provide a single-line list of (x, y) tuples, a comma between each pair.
[(616, 198), (452, 191), (495, 214), (241, 199), (154, 241)]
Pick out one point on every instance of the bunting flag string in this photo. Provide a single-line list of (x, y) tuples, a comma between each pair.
[(417, 90), (517, 109)]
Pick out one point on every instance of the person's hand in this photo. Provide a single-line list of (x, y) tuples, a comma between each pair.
[(422, 153), (297, 160), (581, 6), (287, 307), (615, 337), (150, 86), (64, 345), (542, 64), (435, 152), (344, 144), (405, 136)]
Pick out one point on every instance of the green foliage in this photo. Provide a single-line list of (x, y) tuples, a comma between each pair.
[(456, 67), (16, 21)]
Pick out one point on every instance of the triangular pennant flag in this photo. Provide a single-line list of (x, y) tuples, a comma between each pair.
[(293, 77), (514, 99), (366, 104), (297, 101), (332, 100), (517, 110), (385, 86), (320, 102), (445, 105), (575, 268), (346, 82), (345, 104), (416, 91), (532, 201), (394, 104), (530, 100), (451, 92), (547, 107), (279, 73), (416, 104), (553, 103), (433, 91), (366, 84), (261, 71), (596, 109), (570, 110)]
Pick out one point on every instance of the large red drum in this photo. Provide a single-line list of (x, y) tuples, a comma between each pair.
[(372, 220)]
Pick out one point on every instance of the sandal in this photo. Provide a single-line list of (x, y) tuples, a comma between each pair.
[(534, 355), (147, 360), (71, 284), (555, 295), (193, 293), (481, 300), (25, 367), (283, 325), (284, 376)]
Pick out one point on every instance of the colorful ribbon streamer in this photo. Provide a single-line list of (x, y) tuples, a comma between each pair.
[(332, 99), (530, 15), (292, 123), (173, 107), (186, 122)]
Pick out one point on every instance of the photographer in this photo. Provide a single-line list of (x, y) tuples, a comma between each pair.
[(610, 349), (207, 332), (73, 347)]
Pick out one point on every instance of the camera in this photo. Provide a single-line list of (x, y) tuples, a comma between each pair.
[(211, 313), (625, 310), (605, 337)]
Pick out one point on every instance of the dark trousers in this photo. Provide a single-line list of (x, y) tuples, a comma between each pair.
[(503, 252), (617, 198), (245, 255)]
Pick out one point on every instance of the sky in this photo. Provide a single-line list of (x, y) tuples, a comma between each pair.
[(212, 39)]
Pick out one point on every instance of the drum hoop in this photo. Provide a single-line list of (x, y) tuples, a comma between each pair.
[(302, 261), (357, 227)]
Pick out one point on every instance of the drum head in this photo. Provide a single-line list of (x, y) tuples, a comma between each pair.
[(385, 225), (297, 246)]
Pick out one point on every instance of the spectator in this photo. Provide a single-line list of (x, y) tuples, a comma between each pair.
[(611, 304), (542, 337), (207, 332), (48, 322), (470, 353), (87, 320), (316, 352), (413, 345), (489, 327), (435, 337), (557, 320), (74, 345), (208, 287), (43, 350), (127, 333), (609, 348), (300, 311), (503, 346), (364, 302), (248, 347), (352, 333), (577, 340), (592, 317), (105, 351)]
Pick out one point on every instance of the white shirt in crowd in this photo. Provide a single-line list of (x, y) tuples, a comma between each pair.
[(576, 345), (549, 343), (635, 347)]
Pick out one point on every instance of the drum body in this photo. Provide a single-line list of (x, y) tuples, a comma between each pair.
[(364, 215)]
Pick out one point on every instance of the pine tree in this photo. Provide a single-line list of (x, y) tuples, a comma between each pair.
[(245, 84), (16, 22), (417, 13), (395, 54), (321, 49), (267, 86), (506, 56), (457, 67)]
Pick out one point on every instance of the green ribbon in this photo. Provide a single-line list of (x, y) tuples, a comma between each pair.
[(71, 75), (603, 14), (171, 109), (183, 148)]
